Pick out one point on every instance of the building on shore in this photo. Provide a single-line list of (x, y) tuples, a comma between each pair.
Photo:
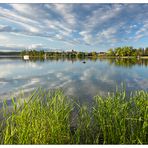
[(102, 53), (26, 57)]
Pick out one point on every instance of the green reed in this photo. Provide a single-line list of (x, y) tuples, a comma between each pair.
[(46, 118)]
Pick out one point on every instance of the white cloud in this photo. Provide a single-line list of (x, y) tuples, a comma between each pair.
[(89, 24), (101, 16), (142, 32), (35, 46), (3, 37), (66, 12), (87, 37), (25, 8), (108, 35)]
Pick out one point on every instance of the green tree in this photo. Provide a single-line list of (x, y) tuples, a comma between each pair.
[(111, 52)]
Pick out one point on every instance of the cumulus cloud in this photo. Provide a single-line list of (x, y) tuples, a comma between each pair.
[(142, 31), (90, 24), (3, 37), (18, 47), (87, 37), (5, 28), (35, 46), (66, 12)]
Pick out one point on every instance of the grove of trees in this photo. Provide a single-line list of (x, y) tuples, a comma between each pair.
[(127, 51), (116, 52)]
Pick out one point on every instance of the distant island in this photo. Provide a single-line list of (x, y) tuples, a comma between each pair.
[(119, 52)]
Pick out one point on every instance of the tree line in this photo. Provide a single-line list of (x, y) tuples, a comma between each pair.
[(68, 54), (127, 51), (116, 52)]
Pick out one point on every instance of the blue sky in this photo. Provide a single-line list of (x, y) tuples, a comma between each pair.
[(83, 27)]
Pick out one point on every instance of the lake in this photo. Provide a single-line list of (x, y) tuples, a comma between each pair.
[(77, 79)]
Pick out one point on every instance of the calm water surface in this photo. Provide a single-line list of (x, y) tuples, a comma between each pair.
[(76, 78)]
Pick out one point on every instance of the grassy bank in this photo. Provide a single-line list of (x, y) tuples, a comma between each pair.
[(49, 117)]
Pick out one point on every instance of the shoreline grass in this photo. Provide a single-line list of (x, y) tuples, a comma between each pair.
[(48, 116)]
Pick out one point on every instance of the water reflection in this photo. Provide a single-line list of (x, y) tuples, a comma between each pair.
[(58, 58), (123, 62), (128, 62), (97, 76)]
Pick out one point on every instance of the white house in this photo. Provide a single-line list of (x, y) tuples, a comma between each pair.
[(26, 57)]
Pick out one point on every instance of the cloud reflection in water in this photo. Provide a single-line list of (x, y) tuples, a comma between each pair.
[(77, 79)]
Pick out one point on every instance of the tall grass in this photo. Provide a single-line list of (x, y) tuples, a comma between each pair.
[(44, 119), (47, 116)]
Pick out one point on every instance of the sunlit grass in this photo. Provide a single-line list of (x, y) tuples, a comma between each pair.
[(47, 116)]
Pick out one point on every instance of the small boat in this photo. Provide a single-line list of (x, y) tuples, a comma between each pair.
[(84, 62)]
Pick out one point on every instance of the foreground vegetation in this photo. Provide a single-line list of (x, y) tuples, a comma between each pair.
[(49, 117)]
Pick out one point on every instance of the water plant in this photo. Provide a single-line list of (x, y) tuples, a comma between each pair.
[(47, 117)]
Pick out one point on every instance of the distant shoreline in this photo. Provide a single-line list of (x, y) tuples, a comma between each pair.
[(125, 57), (100, 56), (126, 52), (10, 56)]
